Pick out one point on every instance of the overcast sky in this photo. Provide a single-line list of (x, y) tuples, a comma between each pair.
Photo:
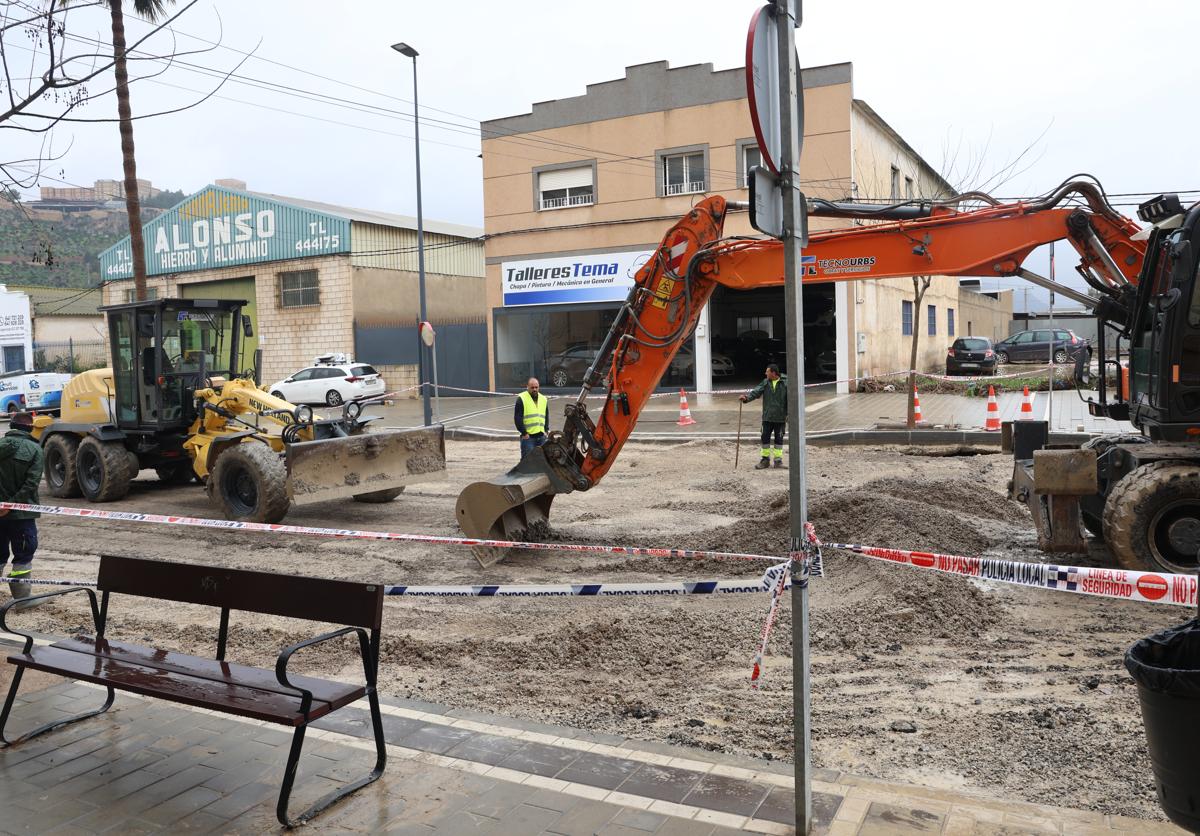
[(1093, 87)]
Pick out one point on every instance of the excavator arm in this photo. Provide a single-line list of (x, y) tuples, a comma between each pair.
[(670, 291)]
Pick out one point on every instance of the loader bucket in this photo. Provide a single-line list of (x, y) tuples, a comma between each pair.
[(510, 507), (367, 463)]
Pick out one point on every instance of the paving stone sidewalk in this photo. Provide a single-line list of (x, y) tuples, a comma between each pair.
[(153, 766)]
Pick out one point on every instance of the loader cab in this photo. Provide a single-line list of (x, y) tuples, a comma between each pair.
[(165, 349), (1165, 332)]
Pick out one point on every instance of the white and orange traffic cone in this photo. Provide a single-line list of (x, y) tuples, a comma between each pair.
[(1026, 407), (917, 419), (992, 424), (685, 414)]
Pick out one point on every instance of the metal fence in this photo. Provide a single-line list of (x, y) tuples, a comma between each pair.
[(70, 356)]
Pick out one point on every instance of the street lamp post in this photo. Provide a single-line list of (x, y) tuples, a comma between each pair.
[(406, 50)]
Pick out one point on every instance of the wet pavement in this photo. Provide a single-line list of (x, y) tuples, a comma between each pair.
[(717, 415), (150, 766)]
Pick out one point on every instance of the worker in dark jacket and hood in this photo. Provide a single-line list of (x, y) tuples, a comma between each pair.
[(20, 473), (773, 391)]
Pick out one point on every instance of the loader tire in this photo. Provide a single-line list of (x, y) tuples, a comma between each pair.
[(249, 483), (176, 474), (1152, 518), (379, 497), (1102, 444), (104, 469), (59, 458)]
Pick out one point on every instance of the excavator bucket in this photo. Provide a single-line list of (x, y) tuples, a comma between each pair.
[(365, 466), (510, 507)]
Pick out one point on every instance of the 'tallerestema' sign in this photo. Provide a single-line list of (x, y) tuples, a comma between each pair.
[(604, 277)]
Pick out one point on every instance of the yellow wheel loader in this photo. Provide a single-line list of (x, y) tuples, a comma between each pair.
[(176, 400)]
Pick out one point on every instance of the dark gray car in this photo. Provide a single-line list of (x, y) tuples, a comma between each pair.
[(1034, 346)]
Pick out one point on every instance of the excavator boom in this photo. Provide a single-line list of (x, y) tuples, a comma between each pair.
[(670, 291)]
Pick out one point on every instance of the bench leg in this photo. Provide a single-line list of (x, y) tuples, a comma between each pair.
[(293, 762), (12, 695)]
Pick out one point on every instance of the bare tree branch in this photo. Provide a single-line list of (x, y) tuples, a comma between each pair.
[(64, 79)]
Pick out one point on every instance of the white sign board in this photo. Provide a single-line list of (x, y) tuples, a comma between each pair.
[(16, 326), (598, 277)]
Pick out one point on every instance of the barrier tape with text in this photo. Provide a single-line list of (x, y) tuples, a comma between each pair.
[(1150, 587), (599, 589)]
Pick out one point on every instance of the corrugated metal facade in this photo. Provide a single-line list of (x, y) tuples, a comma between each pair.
[(393, 248), (218, 227)]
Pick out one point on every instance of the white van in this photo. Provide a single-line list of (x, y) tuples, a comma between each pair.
[(42, 391)]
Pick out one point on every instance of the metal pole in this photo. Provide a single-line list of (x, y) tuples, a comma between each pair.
[(420, 236), (1050, 406), (787, 14), (437, 399), (71, 355)]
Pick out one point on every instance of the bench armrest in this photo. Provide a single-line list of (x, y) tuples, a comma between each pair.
[(364, 647), (28, 638)]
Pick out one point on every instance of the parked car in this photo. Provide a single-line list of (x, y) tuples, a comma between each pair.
[(971, 355), (1034, 346), (568, 367), (683, 363), (752, 353), (331, 380)]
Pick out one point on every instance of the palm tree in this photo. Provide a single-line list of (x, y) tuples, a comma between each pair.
[(151, 10)]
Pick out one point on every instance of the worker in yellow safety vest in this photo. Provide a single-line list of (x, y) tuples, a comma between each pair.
[(530, 415)]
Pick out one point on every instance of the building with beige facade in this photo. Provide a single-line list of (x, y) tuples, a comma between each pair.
[(100, 191), (589, 185), (318, 279)]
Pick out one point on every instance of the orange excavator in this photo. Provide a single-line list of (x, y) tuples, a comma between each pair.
[(904, 239)]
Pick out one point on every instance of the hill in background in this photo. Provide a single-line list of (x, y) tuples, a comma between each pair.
[(61, 248)]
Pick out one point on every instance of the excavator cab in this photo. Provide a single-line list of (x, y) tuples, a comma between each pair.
[(163, 350), (1164, 371)]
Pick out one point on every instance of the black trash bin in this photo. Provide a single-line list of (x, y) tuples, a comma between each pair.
[(1166, 667)]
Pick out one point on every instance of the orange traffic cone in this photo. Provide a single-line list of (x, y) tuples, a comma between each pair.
[(992, 424), (685, 414), (917, 419), (1026, 407)]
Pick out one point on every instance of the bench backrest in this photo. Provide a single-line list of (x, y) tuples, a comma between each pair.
[(347, 603)]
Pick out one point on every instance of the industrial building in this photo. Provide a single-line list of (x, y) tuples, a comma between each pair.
[(589, 184), (319, 279)]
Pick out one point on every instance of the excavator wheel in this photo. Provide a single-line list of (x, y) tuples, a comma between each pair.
[(249, 483), (1152, 518), (59, 458), (104, 469), (1102, 444), (176, 474), (379, 497)]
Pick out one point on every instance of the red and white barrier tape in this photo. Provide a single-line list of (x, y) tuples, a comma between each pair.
[(1036, 370), (1150, 587), (778, 578), (355, 534)]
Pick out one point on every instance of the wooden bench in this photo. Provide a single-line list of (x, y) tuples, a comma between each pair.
[(273, 696)]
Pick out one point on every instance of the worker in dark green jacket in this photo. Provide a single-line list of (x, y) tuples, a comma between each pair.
[(773, 391), (20, 473)]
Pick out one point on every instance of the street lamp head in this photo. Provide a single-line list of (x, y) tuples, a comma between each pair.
[(405, 49)]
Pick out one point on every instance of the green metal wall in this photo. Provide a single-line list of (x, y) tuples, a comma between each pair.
[(218, 227)]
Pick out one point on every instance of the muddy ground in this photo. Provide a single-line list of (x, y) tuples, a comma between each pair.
[(916, 676)]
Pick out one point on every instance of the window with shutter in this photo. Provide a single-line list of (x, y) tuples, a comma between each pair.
[(563, 187)]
